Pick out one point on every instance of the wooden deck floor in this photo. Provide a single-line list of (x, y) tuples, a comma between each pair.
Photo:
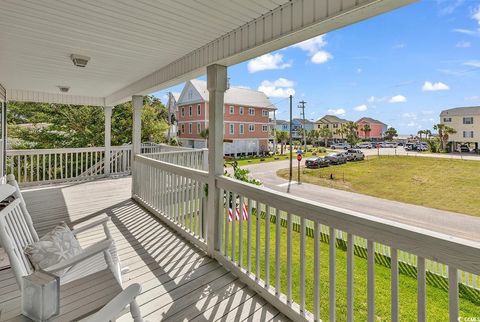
[(179, 281)]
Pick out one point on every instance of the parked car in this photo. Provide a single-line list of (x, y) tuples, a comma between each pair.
[(410, 147), (390, 145), (422, 147), (316, 162), (336, 158), (354, 155), (464, 148), (364, 145), (344, 146)]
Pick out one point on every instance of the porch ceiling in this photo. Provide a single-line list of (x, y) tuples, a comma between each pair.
[(137, 47)]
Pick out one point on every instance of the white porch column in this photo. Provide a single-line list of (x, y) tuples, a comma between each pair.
[(108, 138), (216, 84), (137, 105)]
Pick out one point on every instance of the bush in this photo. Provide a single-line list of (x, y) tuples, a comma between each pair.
[(434, 145), (322, 150)]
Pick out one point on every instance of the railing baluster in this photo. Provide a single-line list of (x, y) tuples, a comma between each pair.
[(421, 292), (31, 168), (233, 207), (453, 293), (249, 237), (302, 264), (289, 259), (257, 241), (371, 280), (222, 219), (316, 271), (277, 252), (267, 245), (394, 283), (332, 274), (350, 255), (240, 232), (227, 209)]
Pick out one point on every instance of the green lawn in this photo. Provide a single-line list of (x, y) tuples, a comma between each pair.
[(447, 184), (285, 156), (437, 299)]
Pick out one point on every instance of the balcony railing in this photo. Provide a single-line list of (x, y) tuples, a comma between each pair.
[(281, 246)]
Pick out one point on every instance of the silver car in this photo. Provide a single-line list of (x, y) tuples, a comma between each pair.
[(354, 155)]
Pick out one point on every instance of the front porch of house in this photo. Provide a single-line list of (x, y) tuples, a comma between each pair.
[(179, 281)]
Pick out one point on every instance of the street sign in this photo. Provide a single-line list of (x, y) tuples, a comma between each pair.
[(299, 157), (299, 152)]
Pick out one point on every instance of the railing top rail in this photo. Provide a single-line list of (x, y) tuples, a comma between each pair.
[(121, 147), (198, 175), (458, 252), (173, 152), (59, 150)]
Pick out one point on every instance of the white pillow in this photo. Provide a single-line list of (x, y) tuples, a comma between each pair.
[(55, 247)]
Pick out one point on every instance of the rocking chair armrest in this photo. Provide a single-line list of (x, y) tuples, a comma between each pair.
[(86, 254), (91, 225)]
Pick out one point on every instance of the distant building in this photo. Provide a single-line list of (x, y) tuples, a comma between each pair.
[(246, 118), (282, 125), (333, 123), (466, 121), (377, 128), (298, 124)]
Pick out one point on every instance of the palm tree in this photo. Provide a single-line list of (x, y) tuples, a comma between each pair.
[(342, 130), (443, 132), (390, 133), (427, 133), (325, 134), (366, 130), (351, 132), (282, 137), (420, 133), (204, 135)]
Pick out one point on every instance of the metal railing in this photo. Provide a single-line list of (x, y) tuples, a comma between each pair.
[(278, 245)]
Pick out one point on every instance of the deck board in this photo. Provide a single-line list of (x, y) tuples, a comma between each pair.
[(179, 282)]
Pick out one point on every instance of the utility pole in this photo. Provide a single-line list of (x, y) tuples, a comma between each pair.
[(301, 105), (290, 141)]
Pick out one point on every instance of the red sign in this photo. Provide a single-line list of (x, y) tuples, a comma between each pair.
[(299, 157)]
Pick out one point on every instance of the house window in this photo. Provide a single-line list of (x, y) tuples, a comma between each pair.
[(232, 109), (251, 111), (240, 110), (183, 111), (183, 128), (198, 128), (334, 125), (468, 120), (265, 128), (232, 128), (468, 134), (285, 127), (190, 128), (447, 119), (240, 128), (199, 109), (190, 110), (265, 113), (251, 127)]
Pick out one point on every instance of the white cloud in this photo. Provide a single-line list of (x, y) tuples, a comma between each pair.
[(321, 57), (361, 108), (472, 63), (281, 87), (433, 87), (267, 62), (427, 112), (374, 99), (359, 70), (463, 44), (314, 47), (409, 115), (399, 46), (397, 99), (476, 14), (337, 111), (472, 98)]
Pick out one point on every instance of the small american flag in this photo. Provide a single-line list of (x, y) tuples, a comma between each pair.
[(237, 214)]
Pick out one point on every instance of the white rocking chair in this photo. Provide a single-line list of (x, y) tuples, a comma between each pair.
[(17, 231)]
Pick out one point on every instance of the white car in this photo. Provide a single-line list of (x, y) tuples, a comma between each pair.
[(364, 145), (354, 155), (344, 146)]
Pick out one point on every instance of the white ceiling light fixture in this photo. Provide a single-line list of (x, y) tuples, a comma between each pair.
[(63, 89), (79, 60)]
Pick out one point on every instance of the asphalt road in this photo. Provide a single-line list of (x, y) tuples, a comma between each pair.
[(451, 223)]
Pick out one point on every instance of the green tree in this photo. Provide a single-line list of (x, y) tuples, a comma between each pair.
[(443, 133), (366, 129), (351, 132), (204, 135), (325, 134), (282, 137), (390, 133), (41, 126)]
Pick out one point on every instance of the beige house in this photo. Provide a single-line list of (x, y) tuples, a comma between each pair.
[(466, 121), (331, 122)]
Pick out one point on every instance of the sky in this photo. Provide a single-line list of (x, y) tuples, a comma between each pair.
[(401, 68)]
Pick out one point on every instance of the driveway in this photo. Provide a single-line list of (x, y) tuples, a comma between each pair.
[(402, 151), (438, 220)]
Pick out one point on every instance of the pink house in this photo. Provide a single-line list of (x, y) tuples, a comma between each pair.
[(377, 128), (247, 126)]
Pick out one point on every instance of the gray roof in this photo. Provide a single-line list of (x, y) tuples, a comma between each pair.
[(299, 120), (331, 119), (236, 95), (460, 111), (280, 122), (370, 120)]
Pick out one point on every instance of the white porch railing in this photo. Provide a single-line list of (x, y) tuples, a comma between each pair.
[(282, 259)]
